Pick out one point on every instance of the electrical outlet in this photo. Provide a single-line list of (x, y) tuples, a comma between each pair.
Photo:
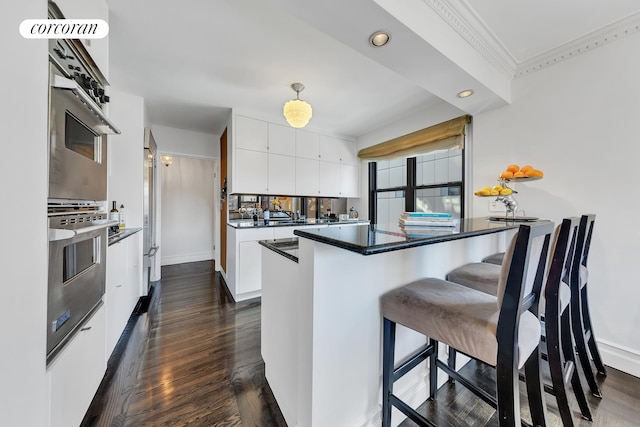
[(496, 206)]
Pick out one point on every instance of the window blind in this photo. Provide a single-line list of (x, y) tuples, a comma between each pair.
[(445, 135)]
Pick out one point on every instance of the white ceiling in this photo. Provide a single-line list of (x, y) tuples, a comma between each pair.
[(194, 60)]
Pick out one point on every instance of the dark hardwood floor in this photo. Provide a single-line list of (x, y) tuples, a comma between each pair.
[(194, 360)]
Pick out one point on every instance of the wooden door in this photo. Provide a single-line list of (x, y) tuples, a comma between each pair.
[(223, 214)]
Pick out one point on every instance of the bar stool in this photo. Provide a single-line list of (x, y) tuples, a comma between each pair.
[(580, 316), (502, 331), (557, 296)]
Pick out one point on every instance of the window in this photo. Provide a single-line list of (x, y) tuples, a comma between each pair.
[(422, 171), (426, 183)]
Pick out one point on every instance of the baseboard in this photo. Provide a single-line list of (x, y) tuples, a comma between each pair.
[(181, 259), (622, 358)]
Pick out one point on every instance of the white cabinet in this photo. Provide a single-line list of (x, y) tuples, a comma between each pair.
[(337, 150), (75, 374), (251, 172), (273, 159), (264, 158), (307, 145), (247, 265), (281, 140), (307, 177), (349, 181), (329, 179), (124, 275), (281, 174), (251, 134)]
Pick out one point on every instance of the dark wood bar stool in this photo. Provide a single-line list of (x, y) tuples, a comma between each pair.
[(501, 331), (583, 335), (557, 296)]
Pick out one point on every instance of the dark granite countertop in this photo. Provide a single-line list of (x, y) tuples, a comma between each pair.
[(377, 238), (287, 247), (122, 234), (247, 223)]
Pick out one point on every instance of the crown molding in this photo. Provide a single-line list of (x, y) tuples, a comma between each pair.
[(584, 44), (464, 20), (476, 32)]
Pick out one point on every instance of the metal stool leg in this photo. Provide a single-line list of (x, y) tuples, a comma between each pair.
[(388, 351)]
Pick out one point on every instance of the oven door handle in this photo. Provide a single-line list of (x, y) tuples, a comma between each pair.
[(63, 234), (60, 82)]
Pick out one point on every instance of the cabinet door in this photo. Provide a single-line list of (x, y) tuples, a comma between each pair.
[(282, 140), (348, 153), (349, 181), (250, 174), (307, 177), (282, 174), (307, 144), (75, 374), (251, 134), (329, 179), (250, 271), (330, 149), (115, 305)]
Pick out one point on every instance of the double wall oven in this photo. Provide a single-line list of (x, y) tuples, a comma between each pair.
[(77, 208)]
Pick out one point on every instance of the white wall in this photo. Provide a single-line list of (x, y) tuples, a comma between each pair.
[(420, 120), (23, 247), (577, 122), (186, 142), (187, 207)]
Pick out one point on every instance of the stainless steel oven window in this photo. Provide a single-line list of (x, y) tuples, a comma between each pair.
[(79, 256), (82, 140)]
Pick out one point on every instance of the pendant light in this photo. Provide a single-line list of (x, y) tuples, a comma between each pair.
[(296, 111)]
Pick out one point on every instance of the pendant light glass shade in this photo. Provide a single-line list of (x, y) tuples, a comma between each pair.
[(296, 111)]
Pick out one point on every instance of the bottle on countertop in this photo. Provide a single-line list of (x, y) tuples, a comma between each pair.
[(121, 218), (266, 215), (114, 215)]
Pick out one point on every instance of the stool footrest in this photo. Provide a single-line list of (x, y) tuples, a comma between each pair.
[(482, 394), (414, 360), (410, 412)]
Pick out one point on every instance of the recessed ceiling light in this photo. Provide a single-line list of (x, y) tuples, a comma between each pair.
[(465, 93), (379, 38)]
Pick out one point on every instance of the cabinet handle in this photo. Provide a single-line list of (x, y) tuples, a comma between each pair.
[(86, 328)]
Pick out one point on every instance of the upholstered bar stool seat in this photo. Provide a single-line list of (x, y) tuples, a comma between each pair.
[(484, 277), (455, 315), (494, 259)]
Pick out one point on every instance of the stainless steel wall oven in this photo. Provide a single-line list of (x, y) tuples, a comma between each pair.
[(78, 128), (77, 267)]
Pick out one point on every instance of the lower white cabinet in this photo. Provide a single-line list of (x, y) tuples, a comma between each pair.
[(124, 275), (244, 258), (75, 373)]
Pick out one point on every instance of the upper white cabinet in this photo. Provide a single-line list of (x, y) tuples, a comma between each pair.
[(281, 140), (269, 158), (337, 150), (251, 134), (307, 145)]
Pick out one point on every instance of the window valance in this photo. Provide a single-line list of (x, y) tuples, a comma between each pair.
[(445, 135)]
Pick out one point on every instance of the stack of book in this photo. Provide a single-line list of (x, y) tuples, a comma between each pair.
[(418, 222)]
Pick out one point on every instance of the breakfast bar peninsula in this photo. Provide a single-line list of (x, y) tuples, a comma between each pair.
[(321, 320)]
